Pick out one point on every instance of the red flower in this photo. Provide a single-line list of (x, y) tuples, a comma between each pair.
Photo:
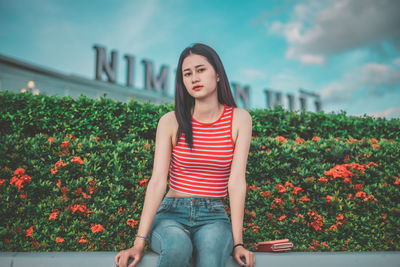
[(50, 140), (278, 201), (266, 194), (131, 222), (82, 239), (397, 182), (289, 184), (59, 239), (253, 214), (2, 182), (358, 187), (19, 171), (64, 190), (339, 217), (297, 190), (143, 182), (316, 138), (282, 218), (54, 215), (280, 188), (29, 232), (65, 145), (96, 138), (361, 194), (281, 139), (97, 228), (328, 198), (299, 140), (304, 199), (77, 160), (322, 180)]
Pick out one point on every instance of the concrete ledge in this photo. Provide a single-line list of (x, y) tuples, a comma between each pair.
[(285, 259)]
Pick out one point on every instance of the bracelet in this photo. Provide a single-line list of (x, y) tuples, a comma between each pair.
[(238, 245), (142, 237)]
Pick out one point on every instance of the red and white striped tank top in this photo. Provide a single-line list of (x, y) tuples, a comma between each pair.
[(205, 170)]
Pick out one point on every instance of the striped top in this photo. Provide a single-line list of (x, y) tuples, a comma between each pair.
[(205, 170)]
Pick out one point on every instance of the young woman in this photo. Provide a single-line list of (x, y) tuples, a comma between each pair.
[(203, 147)]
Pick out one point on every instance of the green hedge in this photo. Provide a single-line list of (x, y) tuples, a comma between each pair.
[(67, 186), (31, 115)]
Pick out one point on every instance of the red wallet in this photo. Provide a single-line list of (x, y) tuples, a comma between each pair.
[(274, 245)]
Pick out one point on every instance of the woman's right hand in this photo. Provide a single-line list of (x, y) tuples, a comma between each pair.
[(135, 252)]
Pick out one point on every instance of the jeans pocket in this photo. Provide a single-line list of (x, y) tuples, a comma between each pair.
[(164, 207), (217, 208)]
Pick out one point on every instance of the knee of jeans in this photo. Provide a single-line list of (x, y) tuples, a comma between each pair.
[(172, 240), (220, 233)]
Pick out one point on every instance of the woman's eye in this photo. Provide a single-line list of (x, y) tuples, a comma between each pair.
[(201, 70), (186, 74)]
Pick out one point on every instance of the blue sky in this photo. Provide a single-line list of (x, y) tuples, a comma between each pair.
[(347, 51)]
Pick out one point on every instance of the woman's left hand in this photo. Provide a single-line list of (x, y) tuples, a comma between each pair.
[(244, 257)]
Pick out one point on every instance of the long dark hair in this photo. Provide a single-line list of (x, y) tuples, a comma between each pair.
[(184, 102)]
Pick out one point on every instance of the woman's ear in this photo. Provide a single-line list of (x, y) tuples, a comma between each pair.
[(217, 78)]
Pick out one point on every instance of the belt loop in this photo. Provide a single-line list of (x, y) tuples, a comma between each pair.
[(174, 203)]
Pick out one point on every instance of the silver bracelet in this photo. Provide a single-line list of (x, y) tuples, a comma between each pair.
[(142, 237)]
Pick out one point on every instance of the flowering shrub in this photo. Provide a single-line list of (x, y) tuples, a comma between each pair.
[(83, 190)]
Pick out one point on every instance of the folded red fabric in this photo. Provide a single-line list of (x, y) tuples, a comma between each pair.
[(274, 245)]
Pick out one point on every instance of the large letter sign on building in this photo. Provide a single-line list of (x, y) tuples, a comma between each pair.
[(102, 65), (152, 82)]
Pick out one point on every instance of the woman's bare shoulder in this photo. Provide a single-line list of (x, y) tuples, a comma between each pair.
[(168, 120), (242, 115)]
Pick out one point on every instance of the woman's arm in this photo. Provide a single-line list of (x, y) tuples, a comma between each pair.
[(155, 189), (237, 183)]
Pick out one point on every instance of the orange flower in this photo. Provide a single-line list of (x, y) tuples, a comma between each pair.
[(59, 239), (322, 180), (50, 140), (29, 232), (19, 171), (281, 139), (278, 201), (316, 138), (97, 228), (2, 182), (77, 160), (304, 199), (358, 187), (280, 188), (82, 239), (339, 217), (282, 218), (96, 138), (297, 190), (397, 182), (253, 214), (328, 198), (289, 184), (54, 215), (266, 194), (53, 171), (143, 182), (299, 140), (131, 222), (65, 145)]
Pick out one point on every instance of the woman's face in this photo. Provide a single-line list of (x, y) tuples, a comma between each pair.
[(199, 76)]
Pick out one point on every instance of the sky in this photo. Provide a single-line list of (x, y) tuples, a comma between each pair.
[(346, 51)]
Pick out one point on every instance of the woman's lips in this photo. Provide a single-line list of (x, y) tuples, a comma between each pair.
[(197, 87)]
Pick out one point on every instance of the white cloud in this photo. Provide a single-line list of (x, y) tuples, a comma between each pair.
[(393, 112), (340, 26), (254, 74), (371, 78)]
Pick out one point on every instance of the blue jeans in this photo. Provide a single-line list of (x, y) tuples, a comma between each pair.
[(186, 227)]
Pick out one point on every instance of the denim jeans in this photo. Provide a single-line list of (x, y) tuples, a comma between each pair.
[(191, 230)]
